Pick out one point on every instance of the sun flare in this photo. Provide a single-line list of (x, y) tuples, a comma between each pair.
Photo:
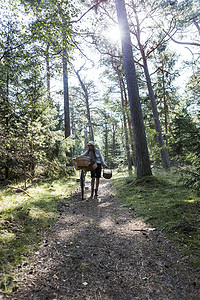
[(113, 34)]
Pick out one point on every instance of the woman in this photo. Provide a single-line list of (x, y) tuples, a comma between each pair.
[(96, 157)]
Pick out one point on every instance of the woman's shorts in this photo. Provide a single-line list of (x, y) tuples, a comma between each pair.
[(97, 172)]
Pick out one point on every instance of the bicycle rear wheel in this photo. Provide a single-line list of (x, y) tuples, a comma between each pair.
[(82, 184)]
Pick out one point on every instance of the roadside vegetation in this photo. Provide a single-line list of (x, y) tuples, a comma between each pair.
[(24, 220), (167, 205)]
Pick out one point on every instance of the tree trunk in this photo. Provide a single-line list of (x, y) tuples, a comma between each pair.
[(85, 137), (165, 109), (129, 123), (163, 152), (141, 150), (48, 72), (65, 74), (113, 144), (91, 135), (125, 123), (73, 128), (106, 139), (7, 125), (66, 95)]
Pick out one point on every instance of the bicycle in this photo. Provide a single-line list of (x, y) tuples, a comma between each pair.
[(82, 182), (83, 163)]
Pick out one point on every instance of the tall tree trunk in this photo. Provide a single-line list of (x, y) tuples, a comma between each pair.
[(125, 122), (7, 124), (106, 138), (65, 74), (91, 134), (129, 123), (165, 108), (66, 94), (73, 129), (163, 152), (113, 144), (85, 137), (141, 150), (48, 72)]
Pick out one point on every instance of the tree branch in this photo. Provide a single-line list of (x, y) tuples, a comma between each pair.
[(181, 43), (19, 189), (92, 7)]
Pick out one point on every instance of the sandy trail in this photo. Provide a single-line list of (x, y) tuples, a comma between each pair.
[(100, 249)]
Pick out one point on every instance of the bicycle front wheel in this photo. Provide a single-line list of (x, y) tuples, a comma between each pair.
[(82, 184)]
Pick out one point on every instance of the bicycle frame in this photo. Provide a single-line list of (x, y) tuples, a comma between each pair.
[(82, 181)]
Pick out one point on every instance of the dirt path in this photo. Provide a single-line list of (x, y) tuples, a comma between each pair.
[(101, 250)]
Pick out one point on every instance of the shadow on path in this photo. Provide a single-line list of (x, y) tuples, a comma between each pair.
[(102, 250)]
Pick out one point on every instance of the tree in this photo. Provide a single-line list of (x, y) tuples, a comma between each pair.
[(141, 150), (28, 136), (117, 70), (185, 148), (163, 152), (86, 97), (193, 94), (165, 91)]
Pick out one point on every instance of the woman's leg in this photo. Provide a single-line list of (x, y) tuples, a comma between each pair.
[(97, 186), (92, 186)]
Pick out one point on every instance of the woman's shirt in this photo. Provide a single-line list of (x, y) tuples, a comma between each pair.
[(98, 159)]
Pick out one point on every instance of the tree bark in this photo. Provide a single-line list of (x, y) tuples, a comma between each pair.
[(113, 143), (125, 121), (48, 72), (141, 150), (66, 95), (163, 152), (129, 123), (65, 74), (106, 138), (165, 109), (85, 137), (7, 123)]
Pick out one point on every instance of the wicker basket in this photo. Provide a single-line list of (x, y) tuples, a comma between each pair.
[(77, 167), (83, 161), (91, 167), (107, 174)]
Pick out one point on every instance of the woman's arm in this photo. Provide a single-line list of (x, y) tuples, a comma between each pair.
[(102, 161), (85, 153)]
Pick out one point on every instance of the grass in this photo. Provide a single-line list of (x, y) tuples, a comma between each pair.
[(23, 221), (163, 202)]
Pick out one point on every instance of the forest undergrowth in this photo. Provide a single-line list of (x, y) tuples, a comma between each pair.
[(164, 202)]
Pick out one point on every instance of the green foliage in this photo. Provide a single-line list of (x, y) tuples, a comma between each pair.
[(183, 132), (28, 139), (23, 221), (154, 151), (193, 99), (30, 124), (184, 147), (165, 204)]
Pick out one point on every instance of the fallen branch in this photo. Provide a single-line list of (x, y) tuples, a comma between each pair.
[(144, 229), (19, 189)]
